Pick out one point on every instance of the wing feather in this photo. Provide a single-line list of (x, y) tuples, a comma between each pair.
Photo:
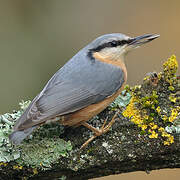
[(70, 90)]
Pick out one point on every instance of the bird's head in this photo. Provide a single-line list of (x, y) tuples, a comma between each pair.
[(115, 46)]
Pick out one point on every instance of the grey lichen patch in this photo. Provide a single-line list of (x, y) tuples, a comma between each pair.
[(173, 129), (62, 178), (41, 150), (122, 100), (7, 151), (42, 154), (108, 147)]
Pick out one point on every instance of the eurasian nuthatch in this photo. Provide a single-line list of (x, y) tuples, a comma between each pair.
[(83, 87)]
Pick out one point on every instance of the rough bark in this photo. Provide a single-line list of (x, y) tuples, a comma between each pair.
[(121, 150)]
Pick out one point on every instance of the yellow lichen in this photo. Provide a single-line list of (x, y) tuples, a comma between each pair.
[(144, 109), (174, 114), (146, 78), (17, 167), (3, 164), (171, 88), (158, 110), (143, 126), (172, 98), (171, 65), (159, 75), (169, 138), (140, 120), (133, 113), (153, 134), (35, 171), (161, 129), (24, 178), (170, 68), (164, 117), (153, 126)]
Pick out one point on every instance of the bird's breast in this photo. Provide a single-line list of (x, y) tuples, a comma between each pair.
[(118, 63)]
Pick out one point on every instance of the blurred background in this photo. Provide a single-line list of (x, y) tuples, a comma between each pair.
[(38, 37)]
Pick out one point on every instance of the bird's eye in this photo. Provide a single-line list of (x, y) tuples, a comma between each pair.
[(113, 43)]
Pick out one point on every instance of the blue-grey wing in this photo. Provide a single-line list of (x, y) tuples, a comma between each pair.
[(72, 88)]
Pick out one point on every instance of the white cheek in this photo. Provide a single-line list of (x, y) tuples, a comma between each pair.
[(121, 49), (118, 52), (114, 52)]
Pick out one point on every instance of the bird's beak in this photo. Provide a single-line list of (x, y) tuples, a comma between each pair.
[(139, 40)]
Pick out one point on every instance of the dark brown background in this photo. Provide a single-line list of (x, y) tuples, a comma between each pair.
[(38, 37)]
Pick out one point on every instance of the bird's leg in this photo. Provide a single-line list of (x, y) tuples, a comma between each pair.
[(98, 132), (88, 141), (95, 130)]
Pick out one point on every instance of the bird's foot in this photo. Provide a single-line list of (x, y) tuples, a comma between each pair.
[(98, 132)]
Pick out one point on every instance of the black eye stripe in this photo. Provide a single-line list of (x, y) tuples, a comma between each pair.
[(112, 43)]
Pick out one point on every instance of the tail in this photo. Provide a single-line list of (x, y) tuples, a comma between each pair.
[(17, 137)]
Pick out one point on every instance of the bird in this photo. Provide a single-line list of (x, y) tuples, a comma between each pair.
[(82, 88)]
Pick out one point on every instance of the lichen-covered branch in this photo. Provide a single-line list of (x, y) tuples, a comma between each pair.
[(145, 136)]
